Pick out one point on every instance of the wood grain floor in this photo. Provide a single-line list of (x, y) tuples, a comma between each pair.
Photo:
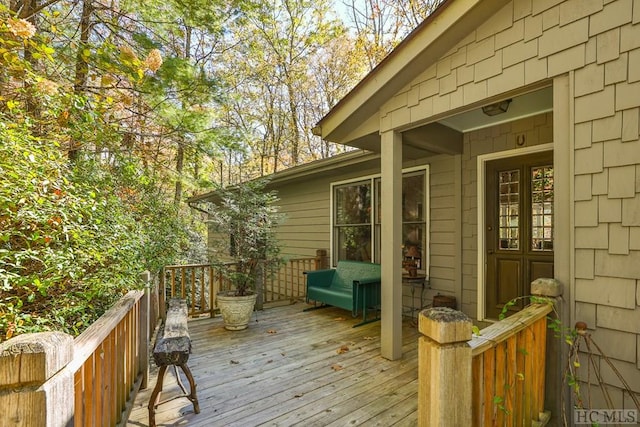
[(291, 368)]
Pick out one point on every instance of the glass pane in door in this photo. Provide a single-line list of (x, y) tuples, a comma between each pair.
[(509, 213), (542, 208)]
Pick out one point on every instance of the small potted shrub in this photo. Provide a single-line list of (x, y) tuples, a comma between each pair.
[(244, 220)]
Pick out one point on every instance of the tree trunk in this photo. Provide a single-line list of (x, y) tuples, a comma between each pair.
[(179, 168), (27, 10), (180, 152), (82, 67), (293, 110)]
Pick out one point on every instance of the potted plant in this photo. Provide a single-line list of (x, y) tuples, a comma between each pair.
[(244, 221)]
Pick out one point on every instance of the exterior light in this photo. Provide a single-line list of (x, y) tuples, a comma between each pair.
[(496, 108)]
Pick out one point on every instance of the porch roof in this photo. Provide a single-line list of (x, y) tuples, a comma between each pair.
[(369, 109), (423, 47), (321, 167)]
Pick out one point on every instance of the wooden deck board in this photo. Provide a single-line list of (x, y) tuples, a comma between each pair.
[(287, 369)]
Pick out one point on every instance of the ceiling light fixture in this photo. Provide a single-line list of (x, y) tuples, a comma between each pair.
[(496, 108)]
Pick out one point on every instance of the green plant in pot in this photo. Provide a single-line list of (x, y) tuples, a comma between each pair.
[(244, 221)]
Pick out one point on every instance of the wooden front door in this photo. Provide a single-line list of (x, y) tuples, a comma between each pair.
[(519, 228)]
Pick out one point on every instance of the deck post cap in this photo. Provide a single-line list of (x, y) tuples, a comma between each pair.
[(445, 325)]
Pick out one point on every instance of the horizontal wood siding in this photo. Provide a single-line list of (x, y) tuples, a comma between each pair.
[(442, 250), (306, 227)]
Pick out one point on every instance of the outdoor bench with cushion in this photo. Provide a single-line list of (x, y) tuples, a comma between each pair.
[(352, 285)]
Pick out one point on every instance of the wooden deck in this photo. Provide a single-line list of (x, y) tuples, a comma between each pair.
[(291, 368)]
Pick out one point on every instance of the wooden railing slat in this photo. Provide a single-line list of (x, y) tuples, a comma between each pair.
[(519, 387), (113, 392), (182, 283), (203, 280), (99, 378), (120, 349), (501, 388), (528, 354), (477, 372), (541, 336), (511, 378), (107, 375), (78, 386), (173, 282), (88, 392), (489, 386)]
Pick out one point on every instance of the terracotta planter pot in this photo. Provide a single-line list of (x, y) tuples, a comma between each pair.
[(236, 311)]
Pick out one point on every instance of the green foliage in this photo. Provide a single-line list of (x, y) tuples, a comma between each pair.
[(51, 240), (73, 235), (72, 241), (245, 221)]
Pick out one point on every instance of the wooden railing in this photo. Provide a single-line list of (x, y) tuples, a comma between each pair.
[(198, 284), (108, 363), (508, 369), (87, 381), (495, 378), (288, 283)]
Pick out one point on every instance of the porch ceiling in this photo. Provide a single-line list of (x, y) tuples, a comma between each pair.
[(445, 135)]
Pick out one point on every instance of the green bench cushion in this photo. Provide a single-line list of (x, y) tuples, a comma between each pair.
[(352, 285)]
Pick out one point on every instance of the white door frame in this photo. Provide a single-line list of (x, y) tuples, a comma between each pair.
[(481, 203)]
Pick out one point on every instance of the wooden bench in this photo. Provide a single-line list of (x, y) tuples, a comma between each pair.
[(172, 348), (352, 285)]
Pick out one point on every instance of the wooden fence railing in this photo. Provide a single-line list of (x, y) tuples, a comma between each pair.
[(198, 284), (508, 369), (107, 363), (496, 378), (289, 282), (87, 381)]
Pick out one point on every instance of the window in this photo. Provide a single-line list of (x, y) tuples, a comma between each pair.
[(357, 225), (352, 221)]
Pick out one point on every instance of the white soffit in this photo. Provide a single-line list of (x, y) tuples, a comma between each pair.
[(527, 105)]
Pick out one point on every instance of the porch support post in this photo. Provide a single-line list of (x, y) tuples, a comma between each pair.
[(563, 236), (444, 368), (391, 245)]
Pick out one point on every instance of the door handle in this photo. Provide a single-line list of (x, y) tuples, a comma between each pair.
[(490, 251)]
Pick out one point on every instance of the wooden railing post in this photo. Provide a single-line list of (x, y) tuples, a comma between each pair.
[(145, 326), (162, 295), (322, 260), (557, 351), (444, 368), (35, 389)]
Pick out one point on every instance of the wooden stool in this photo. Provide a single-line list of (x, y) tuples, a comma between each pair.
[(172, 348)]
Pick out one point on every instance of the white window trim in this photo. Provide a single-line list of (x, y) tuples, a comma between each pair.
[(372, 178), (481, 203)]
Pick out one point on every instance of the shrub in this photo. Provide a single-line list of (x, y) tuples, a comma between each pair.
[(73, 240)]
